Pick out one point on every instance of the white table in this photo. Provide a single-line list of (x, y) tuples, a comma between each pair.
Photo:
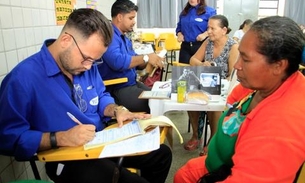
[(160, 106)]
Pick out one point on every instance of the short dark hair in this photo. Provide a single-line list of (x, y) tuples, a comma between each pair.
[(223, 22), (89, 21), (246, 22), (280, 38), (123, 7)]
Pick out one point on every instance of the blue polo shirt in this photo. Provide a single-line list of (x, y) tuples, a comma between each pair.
[(191, 24), (35, 98), (117, 60)]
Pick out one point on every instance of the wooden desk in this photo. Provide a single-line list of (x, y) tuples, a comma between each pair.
[(78, 153)]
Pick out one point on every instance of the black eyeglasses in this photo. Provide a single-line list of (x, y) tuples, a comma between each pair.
[(87, 60)]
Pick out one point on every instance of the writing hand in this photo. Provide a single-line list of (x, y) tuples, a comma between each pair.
[(76, 136)]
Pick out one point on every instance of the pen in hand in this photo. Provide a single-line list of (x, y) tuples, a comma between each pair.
[(74, 118)]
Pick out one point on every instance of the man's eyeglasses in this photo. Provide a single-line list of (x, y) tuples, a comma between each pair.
[(87, 60)]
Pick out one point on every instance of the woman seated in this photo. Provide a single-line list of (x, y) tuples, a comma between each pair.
[(243, 28), (261, 137), (218, 49)]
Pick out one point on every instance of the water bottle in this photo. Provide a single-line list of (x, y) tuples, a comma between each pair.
[(181, 91)]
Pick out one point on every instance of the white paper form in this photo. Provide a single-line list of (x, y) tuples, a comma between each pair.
[(142, 143), (115, 134)]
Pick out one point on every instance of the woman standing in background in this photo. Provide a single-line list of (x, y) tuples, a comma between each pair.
[(192, 26), (243, 28)]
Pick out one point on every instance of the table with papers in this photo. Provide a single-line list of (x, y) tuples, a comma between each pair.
[(160, 106)]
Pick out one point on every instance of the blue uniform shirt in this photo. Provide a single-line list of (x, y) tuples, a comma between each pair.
[(117, 60), (35, 98), (191, 24)]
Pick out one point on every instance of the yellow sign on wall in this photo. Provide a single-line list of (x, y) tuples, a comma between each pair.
[(91, 4), (63, 8)]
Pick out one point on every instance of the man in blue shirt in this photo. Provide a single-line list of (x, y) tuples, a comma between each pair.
[(40, 93), (120, 60)]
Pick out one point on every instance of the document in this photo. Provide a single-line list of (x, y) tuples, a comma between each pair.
[(155, 95), (115, 134), (129, 130), (133, 145)]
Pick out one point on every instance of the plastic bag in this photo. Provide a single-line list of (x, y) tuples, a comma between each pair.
[(197, 97)]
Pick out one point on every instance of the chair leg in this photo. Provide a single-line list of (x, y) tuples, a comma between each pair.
[(189, 127), (35, 169), (120, 161), (167, 66), (161, 77), (205, 141)]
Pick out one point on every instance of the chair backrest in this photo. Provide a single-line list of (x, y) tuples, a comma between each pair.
[(171, 43), (162, 37), (148, 37)]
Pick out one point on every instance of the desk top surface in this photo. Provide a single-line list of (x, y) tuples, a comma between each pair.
[(160, 106), (78, 153)]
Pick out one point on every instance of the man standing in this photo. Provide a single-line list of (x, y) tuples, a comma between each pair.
[(120, 60), (39, 95)]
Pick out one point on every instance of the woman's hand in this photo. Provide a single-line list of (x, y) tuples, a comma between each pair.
[(202, 36), (180, 37)]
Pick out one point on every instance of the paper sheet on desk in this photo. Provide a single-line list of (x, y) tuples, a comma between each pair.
[(143, 143), (114, 135)]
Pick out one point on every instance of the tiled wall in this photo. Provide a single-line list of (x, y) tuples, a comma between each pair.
[(24, 25)]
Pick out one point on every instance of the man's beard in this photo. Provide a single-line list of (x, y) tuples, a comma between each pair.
[(65, 61)]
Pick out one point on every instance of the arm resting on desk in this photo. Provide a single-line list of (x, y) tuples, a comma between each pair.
[(78, 153)]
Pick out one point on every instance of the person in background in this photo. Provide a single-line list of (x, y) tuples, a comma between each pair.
[(219, 48), (192, 26), (39, 93), (243, 28), (261, 137), (120, 60)]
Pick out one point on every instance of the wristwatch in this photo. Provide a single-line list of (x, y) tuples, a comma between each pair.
[(118, 108), (145, 58)]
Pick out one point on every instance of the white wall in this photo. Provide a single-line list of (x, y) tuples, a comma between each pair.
[(24, 25)]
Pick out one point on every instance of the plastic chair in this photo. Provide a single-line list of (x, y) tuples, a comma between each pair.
[(171, 45), (115, 81), (162, 37), (148, 38)]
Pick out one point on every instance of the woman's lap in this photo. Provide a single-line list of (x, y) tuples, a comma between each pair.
[(191, 171)]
